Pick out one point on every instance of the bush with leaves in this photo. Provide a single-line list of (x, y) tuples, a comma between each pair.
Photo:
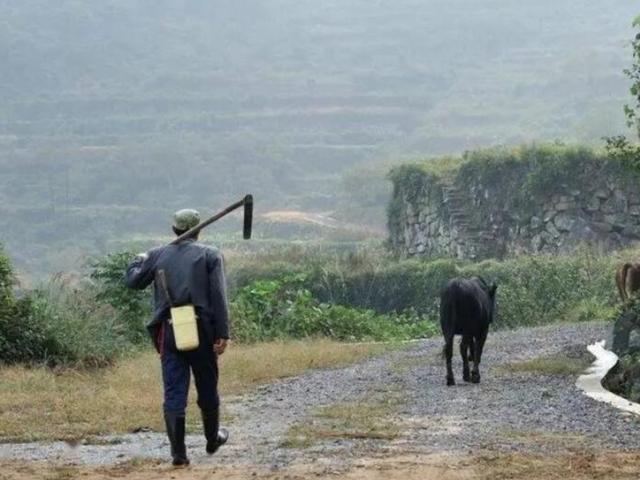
[(132, 307), (633, 111), (532, 290), (285, 308), (619, 146), (22, 337)]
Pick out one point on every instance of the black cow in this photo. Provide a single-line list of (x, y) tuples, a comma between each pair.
[(466, 308)]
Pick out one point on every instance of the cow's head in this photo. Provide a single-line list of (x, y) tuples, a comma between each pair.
[(491, 289)]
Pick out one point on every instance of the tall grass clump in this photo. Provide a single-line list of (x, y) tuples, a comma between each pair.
[(77, 329), (21, 337), (62, 322)]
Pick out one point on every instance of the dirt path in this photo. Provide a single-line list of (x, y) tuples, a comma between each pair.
[(435, 428)]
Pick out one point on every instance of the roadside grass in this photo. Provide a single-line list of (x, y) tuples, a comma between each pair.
[(561, 439), (62, 473), (244, 366), (367, 419), (555, 364), (132, 465), (42, 404), (581, 465)]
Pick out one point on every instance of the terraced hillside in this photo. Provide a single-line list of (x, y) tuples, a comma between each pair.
[(113, 113)]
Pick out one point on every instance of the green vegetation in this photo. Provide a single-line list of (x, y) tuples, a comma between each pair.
[(130, 305), (20, 337), (362, 295), (93, 323), (58, 323), (619, 146), (533, 290), (268, 309), (633, 111), (77, 329)]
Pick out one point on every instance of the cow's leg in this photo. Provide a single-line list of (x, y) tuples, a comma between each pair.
[(465, 344), (448, 353), (477, 355)]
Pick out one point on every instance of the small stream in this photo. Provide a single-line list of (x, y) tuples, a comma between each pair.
[(591, 382)]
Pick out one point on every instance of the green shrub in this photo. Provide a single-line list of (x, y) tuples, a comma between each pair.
[(132, 308), (533, 290), (21, 338), (547, 289), (390, 288), (270, 309)]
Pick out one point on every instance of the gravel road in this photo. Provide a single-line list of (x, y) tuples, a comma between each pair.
[(519, 412)]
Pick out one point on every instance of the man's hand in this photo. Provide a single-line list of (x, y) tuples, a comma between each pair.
[(220, 345), (141, 257)]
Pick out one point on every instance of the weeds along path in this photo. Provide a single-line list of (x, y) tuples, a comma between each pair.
[(398, 404)]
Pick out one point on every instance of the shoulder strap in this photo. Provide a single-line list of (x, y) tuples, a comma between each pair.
[(162, 280)]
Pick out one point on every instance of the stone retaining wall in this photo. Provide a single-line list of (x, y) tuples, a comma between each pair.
[(490, 216)]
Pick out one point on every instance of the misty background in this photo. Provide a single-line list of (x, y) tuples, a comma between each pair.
[(113, 114)]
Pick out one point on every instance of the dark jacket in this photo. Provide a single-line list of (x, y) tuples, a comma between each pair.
[(195, 275)]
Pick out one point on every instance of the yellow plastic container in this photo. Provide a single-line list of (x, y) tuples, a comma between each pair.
[(185, 327)]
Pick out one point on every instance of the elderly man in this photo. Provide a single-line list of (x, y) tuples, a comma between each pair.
[(193, 274)]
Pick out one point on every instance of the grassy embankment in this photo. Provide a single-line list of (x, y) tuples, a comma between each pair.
[(70, 404)]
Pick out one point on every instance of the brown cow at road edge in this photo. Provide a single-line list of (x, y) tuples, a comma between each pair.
[(628, 280), (467, 307)]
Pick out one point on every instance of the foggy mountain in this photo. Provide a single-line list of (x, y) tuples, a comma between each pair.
[(115, 113)]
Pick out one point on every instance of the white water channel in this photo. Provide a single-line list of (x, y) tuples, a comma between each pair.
[(591, 382)]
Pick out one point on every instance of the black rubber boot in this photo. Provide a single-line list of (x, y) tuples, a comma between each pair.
[(216, 436), (175, 431)]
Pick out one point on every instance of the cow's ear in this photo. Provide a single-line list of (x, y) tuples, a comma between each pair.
[(492, 289)]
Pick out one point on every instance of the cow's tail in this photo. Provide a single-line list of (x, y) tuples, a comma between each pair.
[(448, 315)]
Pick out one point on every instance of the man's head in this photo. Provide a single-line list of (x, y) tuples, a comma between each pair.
[(184, 220)]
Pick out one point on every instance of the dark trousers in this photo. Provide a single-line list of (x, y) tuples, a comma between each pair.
[(176, 372)]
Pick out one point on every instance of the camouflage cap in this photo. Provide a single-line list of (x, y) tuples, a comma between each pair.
[(186, 219)]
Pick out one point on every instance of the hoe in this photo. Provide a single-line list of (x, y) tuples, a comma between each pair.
[(246, 202)]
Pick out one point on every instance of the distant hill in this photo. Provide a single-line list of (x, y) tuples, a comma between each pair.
[(115, 113)]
